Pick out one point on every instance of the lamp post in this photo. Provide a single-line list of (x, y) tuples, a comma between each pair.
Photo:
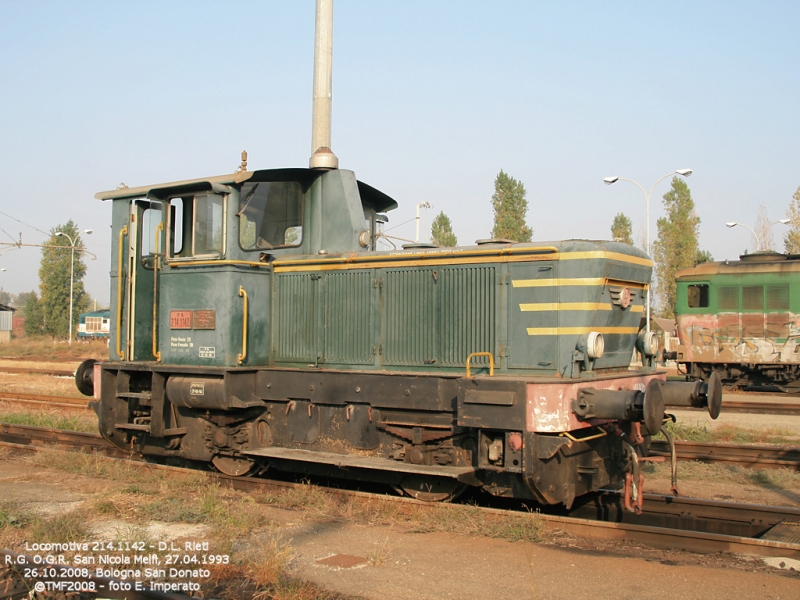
[(755, 235), (611, 180), (71, 274), (425, 205)]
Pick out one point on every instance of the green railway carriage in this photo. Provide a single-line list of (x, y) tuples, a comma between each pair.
[(255, 323), (741, 319)]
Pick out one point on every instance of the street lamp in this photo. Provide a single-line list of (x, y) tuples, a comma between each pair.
[(611, 180), (425, 205), (755, 235), (71, 274)]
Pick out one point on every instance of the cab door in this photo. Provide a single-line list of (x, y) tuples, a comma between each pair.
[(141, 243)]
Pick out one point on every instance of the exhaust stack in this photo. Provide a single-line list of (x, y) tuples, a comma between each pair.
[(322, 156)]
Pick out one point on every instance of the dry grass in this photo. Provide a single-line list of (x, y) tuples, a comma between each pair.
[(730, 434), (776, 479), (43, 350), (53, 418), (34, 383)]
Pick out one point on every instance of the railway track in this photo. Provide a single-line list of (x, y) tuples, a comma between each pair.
[(46, 401), (673, 522), (754, 457)]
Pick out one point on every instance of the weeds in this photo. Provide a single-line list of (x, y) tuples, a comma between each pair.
[(51, 419)]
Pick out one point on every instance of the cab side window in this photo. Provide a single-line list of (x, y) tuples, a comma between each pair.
[(697, 296), (197, 226), (270, 215)]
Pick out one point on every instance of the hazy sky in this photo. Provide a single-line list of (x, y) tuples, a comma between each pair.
[(431, 99)]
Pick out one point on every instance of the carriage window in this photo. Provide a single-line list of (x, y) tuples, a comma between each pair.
[(777, 297), (753, 297), (728, 299), (697, 295), (270, 215)]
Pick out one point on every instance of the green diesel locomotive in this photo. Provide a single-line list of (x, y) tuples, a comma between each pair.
[(741, 320), (255, 324)]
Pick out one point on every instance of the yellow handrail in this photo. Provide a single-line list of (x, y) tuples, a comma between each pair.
[(243, 355), (122, 233), (491, 361), (156, 353)]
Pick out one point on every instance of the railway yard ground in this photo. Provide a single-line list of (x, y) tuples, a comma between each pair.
[(306, 542)]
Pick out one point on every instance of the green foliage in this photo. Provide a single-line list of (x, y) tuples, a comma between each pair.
[(34, 318), (792, 239), (55, 272), (442, 232), (703, 256), (621, 229), (5, 297), (510, 209), (676, 247)]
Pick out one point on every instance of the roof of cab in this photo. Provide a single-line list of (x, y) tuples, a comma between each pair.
[(376, 199)]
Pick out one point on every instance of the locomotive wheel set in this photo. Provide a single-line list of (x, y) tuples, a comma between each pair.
[(741, 320), (254, 324)]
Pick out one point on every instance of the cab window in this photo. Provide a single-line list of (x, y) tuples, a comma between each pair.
[(270, 215), (697, 295), (197, 226)]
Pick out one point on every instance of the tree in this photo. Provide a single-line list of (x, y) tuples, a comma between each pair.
[(510, 208), (703, 256), (5, 297), (621, 229), (792, 238), (442, 231), (676, 247), (34, 319), (763, 229), (54, 280)]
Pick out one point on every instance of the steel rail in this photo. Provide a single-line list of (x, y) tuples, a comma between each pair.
[(750, 456), (42, 400), (673, 522), (33, 371)]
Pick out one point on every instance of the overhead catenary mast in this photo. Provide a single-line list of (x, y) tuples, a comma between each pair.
[(322, 157)]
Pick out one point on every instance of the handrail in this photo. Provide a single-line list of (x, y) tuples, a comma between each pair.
[(491, 361), (243, 355), (122, 233), (156, 353)]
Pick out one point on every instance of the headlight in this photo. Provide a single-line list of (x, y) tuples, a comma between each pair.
[(647, 343), (592, 344)]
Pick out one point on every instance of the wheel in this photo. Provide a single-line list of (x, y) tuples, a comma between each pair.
[(234, 467), (431, 489)]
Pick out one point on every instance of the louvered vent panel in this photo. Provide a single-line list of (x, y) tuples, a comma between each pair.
[(410, 324), (348, 318), (467, 305), (295, 313)]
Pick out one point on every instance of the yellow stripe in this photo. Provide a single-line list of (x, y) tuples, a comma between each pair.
[(346, 264), (636, 260), (579, 330), (432, 254), (215, 263), (520, 283), (544, 306)]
